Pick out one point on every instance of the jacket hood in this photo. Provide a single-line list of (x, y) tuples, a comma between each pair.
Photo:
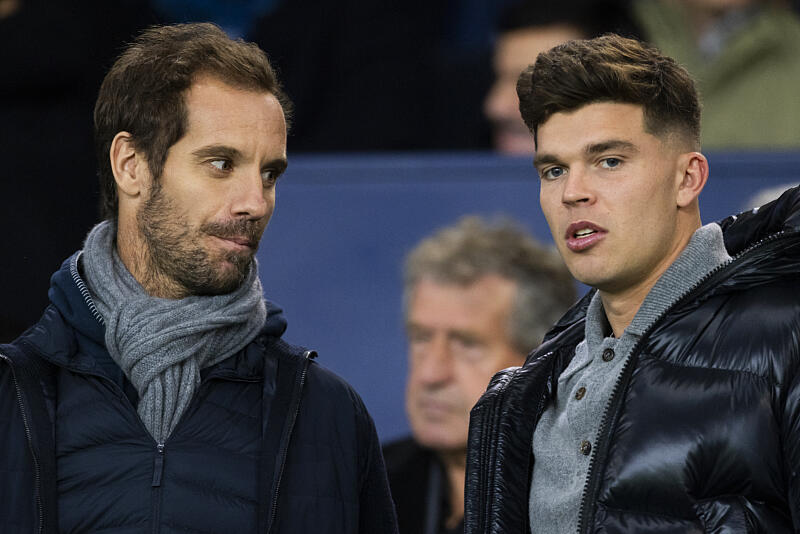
[(747, 228), (70, 296), (764, 242)]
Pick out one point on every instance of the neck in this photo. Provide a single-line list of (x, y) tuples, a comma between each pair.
[(621, 308), (137, 259), (455, 463), (621, 305)]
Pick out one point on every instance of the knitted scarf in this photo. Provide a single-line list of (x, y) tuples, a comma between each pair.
[(161, 344)]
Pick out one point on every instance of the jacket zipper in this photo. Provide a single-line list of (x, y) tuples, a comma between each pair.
[(87, 296), (158, 471), (592, 484), (26, 424), (283, 452)]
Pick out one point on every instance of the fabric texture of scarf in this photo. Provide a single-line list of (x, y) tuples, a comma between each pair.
[(161, 344)]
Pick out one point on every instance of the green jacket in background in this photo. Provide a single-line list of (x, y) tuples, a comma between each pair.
[(749, 91)]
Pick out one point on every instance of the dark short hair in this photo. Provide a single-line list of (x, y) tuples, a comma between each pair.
[(144, 92), (462, 254), (611, 68)]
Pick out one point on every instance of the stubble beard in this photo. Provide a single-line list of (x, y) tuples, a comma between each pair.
[(175, 253)]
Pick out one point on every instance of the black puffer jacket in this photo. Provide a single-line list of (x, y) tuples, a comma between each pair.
[(702, 432), (271, 442)]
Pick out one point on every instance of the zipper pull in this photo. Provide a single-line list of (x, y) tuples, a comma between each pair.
[(158, 465)]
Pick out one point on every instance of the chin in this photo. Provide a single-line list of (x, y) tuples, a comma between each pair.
[(441, 439), (585, 273)]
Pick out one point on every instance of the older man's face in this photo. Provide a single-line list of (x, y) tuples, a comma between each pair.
[(458, 339)]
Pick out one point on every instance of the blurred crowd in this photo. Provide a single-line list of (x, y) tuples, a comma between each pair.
[(364, 76)]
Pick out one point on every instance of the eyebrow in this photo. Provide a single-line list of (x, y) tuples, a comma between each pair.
[(279, 164), (591, 150), (233, 154), (222, 151), (544, 159), (612, 144)]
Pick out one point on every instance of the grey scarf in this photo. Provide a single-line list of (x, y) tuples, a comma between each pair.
[(162, 344)]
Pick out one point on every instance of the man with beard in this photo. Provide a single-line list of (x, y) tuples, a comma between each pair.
[(668, 398), (155, 392)]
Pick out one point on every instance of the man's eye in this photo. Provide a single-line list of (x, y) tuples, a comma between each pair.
[(419, 337), (553, 172), (269, 177), (221, 164), (610, 163)]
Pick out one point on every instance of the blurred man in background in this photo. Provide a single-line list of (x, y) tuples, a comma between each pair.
[(524, 30), (478, 298), (744, 56)]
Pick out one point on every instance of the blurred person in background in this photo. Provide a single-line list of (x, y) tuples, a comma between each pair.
[(526, 28), (478, 298), (745, 56)]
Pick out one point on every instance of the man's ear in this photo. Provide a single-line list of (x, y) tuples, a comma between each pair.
[(691, 178), (129, 167)]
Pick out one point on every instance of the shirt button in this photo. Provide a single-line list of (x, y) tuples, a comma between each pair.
[(608, 355), (586, 448), (580, 393)]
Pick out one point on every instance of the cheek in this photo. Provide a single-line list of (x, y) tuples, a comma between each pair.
[(413, 383), (269, 198), (474, 381)]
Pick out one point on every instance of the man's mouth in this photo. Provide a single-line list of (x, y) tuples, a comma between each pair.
[(584, 232), (582, 235), (239, 235), (239, 243), (240, 240)]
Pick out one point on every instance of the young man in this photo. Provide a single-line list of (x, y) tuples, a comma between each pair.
[(155, 394), (667, 399), (478, 297)]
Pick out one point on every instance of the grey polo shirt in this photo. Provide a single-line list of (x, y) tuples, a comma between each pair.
[(564, 437)]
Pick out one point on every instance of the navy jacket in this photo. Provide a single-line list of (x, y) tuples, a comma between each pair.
[(702, 431), (271, 442)]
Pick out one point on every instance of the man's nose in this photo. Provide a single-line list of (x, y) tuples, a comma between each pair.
[(577, 187), (252, 199), (436, 364)]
